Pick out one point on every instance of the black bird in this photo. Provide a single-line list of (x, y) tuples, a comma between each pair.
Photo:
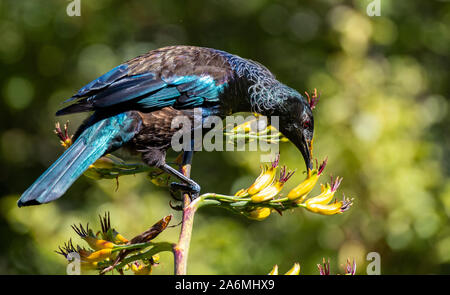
[(133, 105)]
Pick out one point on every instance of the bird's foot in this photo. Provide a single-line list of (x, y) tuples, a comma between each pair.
[(175, 194), (192, 189)]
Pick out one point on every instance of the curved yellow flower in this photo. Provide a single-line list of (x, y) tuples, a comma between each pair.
[(91, 239), (119, 238), (300, 192), (330, 209), (96, 256), (271, 191), (98, 244), (274, 271), (260, 213), (295, 270), (140, 269), (327, 193), (265, 178)]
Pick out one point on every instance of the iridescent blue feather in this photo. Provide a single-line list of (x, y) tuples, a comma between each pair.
[(90, 145)]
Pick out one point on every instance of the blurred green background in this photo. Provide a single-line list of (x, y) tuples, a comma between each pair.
[(382, 121)]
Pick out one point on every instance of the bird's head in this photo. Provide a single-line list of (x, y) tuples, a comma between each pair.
[(297, 124)]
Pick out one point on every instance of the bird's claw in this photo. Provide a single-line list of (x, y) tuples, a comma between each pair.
[(174, 193), (192, 190)]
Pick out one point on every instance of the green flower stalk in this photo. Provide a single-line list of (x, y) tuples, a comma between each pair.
[(247, 132), (108, 250)]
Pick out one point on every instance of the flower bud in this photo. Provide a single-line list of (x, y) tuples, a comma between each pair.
[(140, 269), (350, 268), (274, 271), (259, 213), (324, 268), (91, 239), (119, 239), (241, 193), (327, 193), (155, 258), (300, 192), (97, 256), (271, 191), (295, 270), (65, 139), (331, 209), (264, 179)]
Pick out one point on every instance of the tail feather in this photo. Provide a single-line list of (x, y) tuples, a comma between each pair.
[(90, 146)]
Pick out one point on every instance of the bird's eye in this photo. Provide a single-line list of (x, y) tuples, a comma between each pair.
[(306, 124)]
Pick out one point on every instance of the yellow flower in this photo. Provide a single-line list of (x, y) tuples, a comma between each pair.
[(330, 209), (327, 193), (106, 162), (265, 178), (65, 139), (109, 233), (271, 191), (98, 244), (119, 238), (88, 257), (140, 269), (274, 271), (97, 256), (300, 192), (295, 270), (241, 193), (259, 213), (91, 239), (155, 259), (245, 127)]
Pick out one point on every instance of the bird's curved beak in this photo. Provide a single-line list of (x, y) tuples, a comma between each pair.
[(307, 153), (305, 147)]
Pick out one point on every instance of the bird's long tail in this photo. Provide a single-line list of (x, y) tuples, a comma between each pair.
[(94, 141)]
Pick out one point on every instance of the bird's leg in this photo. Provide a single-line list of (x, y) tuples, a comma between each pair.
[(188, 186), (156, 157)]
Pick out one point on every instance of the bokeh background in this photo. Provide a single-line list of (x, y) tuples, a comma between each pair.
[(382, 121)]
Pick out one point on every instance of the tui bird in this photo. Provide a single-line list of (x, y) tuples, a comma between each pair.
[(133, 106)]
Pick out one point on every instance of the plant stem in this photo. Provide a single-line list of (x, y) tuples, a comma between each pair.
[(157, 248), (181, 249)]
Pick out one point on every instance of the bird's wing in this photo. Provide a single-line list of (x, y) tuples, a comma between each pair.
[(144, 91), (181, 77)]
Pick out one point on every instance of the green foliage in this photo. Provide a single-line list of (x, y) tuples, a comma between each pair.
[(382, 121)]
